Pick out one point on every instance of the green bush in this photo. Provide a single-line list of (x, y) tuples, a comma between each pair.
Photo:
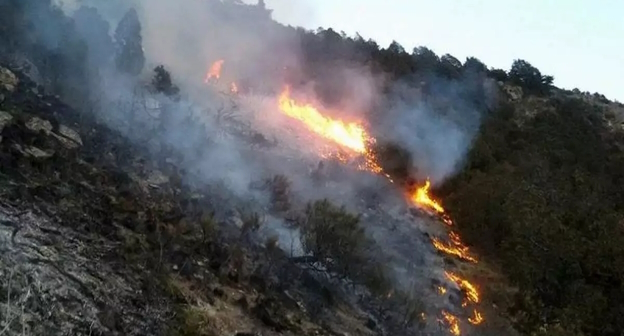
[(334, 238)]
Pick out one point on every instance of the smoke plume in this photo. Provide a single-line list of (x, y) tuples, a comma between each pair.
[(214, 135)]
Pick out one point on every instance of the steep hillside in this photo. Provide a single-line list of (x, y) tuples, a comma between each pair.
[(99, 239), (222, 174), (541, 194)]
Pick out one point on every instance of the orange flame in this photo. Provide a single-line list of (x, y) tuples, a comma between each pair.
[(214, 71), (476, 318), (354, 137), (471, 291), (455, 248), (233, 88), (350, 135), (447, 220), (453, 323), (421, 198)]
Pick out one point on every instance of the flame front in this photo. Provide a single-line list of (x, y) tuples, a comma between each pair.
[(476, 318), (214, 71), (471, 291), (421, 197), (349, 135), (455, 248), (452, 322), (353, 137)]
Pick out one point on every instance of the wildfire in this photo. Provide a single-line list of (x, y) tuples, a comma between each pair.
[(421, 197), (455, 248), (214, 71), (476, 318), (453, 323), (471, 291), (350, 135)]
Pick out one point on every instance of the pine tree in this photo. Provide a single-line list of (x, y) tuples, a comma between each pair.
[(129, 56)]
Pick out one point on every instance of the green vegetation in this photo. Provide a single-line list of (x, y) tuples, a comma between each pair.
[(334, 238), (543, 195)]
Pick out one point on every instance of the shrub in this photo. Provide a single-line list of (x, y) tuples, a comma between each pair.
[(334, 238)]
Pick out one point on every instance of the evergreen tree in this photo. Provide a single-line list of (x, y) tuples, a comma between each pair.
[(129, 56)]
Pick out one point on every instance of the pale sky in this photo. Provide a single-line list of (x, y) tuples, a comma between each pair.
[(579, 42)]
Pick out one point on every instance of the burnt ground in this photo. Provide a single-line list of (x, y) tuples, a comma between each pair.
[(99, 239)]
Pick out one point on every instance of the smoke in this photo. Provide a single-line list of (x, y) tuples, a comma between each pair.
[(207, 133), (437, 127)]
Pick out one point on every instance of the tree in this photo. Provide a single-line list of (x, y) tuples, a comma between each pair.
[(522, 73), (162, 83), (425, 58), (450, 67), (473, 64), (129, 56), (499, 75)]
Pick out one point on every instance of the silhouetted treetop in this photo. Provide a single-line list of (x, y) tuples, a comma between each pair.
[(129, 44)]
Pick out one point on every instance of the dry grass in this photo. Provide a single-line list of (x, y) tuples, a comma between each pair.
[(198, 317)]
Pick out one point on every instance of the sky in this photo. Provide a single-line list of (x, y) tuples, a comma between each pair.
[(579, 42)]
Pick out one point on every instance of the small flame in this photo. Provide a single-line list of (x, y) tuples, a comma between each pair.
[(214, 71), (447, 220), (471, 291), (421, 198), (350, 135), (452, 322), (233, 88), (441, 290), (455, 247), (476, 318)]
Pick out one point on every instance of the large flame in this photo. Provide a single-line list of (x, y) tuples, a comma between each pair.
[(350, 135), (353, 137), (421, 197), (471, 291), (215, 71)]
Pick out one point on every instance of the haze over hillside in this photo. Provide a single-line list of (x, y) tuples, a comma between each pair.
[(246, 177), (556, 38)]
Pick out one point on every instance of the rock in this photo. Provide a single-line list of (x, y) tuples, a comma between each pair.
[(236, 221), (371, 324), (514, 92), (38, 153), (70, 134), (157, 178), (5, 118), (33, 152), (218, 292), (110, 319), (36, 124), (8, 80)]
